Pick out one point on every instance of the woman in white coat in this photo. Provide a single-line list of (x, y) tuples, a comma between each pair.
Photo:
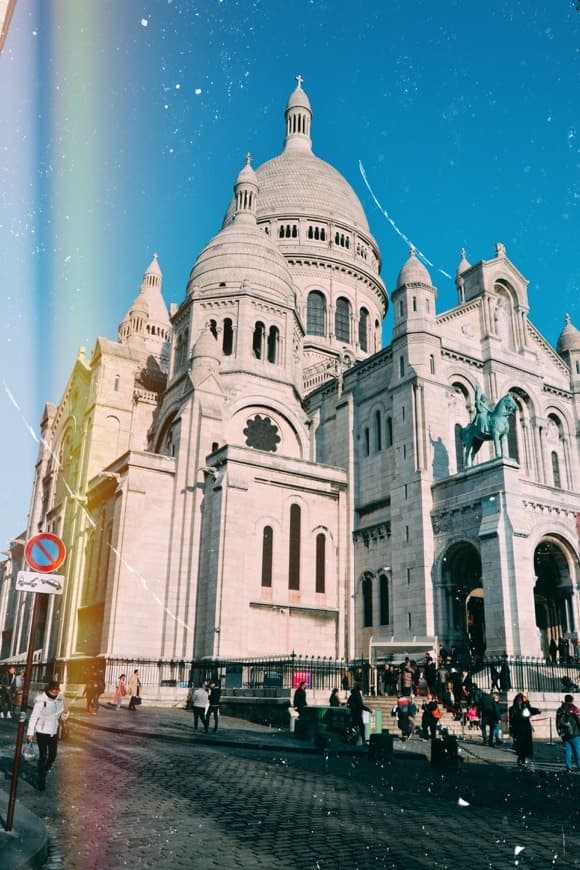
[(44, 721)]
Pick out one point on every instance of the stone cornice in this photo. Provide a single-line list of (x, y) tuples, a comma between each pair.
[(461, 357)]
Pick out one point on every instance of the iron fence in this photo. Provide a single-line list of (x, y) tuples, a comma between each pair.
[(527, 675), (256, 673)]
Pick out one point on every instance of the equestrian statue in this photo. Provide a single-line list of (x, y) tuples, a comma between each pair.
[(488, 425)]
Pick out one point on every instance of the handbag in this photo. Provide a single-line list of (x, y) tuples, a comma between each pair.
[(436, 713), (137, 701), (29, 751)]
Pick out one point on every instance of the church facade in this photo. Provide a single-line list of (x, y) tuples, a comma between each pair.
[(250, 473)]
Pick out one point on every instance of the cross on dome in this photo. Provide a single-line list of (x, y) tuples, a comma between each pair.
[(248, 159), (299, 79)]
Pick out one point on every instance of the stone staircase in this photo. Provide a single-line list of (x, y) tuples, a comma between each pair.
[(385, 704)]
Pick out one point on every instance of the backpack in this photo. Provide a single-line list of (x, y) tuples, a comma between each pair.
[(568, 725)]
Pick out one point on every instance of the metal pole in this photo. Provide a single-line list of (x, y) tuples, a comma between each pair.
[(22, 716)]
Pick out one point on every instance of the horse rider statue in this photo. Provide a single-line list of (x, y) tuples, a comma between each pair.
[(488, 425)]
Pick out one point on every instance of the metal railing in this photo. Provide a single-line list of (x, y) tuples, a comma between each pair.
[(256, 673), (527, 675)]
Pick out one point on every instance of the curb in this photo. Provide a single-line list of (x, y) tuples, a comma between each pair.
[(26, 846), (260, 746)]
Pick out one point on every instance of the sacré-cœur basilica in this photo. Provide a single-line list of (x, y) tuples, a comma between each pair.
[(250, 473)]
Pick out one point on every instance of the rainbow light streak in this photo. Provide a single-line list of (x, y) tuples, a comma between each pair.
[(76, 152)]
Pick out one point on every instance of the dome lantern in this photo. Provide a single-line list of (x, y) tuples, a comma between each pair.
[(246, 193), (298, 118)]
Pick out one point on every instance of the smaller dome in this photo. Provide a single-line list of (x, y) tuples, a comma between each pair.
[(464, 264), (298, 98), (206, 347), (153, 268), (247, 174), (413, 271), (569, 337)]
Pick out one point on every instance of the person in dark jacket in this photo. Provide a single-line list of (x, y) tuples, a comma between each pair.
[(505, 681), (492, 718), (520, 722), (405, 711), (568, 727), (356, 706), (215, 693), (334, 700), (299, 700), (430, 717)]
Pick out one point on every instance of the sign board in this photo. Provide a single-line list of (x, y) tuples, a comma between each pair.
[(45, 552), (31, 581)]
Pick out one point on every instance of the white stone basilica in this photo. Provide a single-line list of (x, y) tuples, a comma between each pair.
[(251, 473)]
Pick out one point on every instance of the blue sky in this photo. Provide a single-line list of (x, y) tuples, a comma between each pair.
[(123, 126)]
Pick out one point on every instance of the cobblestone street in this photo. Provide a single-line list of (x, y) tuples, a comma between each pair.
[(126, 800)]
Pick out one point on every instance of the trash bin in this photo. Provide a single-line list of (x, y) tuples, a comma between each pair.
[(373, 723), (381, 747), (444, 753)]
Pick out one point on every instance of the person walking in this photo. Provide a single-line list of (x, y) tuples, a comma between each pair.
[(200, 703), (215, 693), (135, 691), (520, 724), (100, 688), (492, 717), (7, 683), (568, 727), (120, 692), (356, 706), (299, 700), (44, 722)]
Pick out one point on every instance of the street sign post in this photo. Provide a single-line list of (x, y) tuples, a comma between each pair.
[(44, 553)]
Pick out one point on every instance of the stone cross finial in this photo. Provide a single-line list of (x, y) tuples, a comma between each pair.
[(248, 159), (299, 79), (567, 319), (412, 250), (463, 254)]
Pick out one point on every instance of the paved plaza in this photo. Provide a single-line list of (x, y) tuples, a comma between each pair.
[(143, 790)]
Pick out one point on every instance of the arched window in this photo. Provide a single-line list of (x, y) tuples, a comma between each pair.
[(321, 563), (367, 592), (389, 432), (273, 341), (513, 451), (402, 366), (342, 319), (213, 328), (458, 447), (367, 441), (431, 364), (267, 550), (384, 599), (556, 470), (378, 431), (316, 313), (363, 328), (228, 337), (258, 340), (116, 384), (294, 554), (310, 233)]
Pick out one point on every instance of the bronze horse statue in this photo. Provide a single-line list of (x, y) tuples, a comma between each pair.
[(473, 437)]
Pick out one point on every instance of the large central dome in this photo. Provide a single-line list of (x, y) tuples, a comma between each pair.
[(297, 182)]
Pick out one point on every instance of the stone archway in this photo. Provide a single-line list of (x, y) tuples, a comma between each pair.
[(553, 593), (462, 618)]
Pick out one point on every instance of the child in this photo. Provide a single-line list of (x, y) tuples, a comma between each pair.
[(472, 717)]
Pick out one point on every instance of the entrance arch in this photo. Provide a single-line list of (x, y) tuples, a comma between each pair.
[(463, 610), (553, 592)]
